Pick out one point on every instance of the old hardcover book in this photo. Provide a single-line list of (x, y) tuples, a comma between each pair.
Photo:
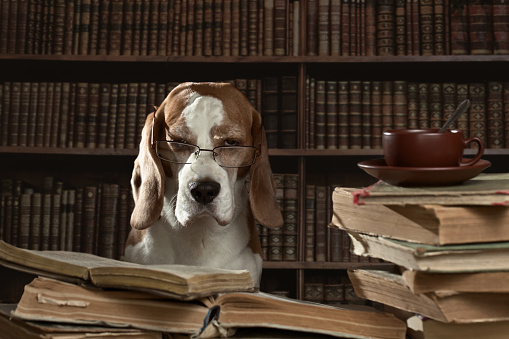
[(226, 29), (412, 105), (480, 27), (400, 108), (335, 27), (355, 117), (446, 306), (427, 24), (500, 27), (345, 27), (462, 93), (477, 112), (16, 328), (459, 28), (176, 281), (400, 28), (366, 110), (331, 99), (370, 28), (54, 122), (14, 113), (244, 28), (449, 101), (423, 95), (92, 115), (439, 26), (423, 327), (323, 27), (108, 225), (422, 223), (287, 133), (343, 115), (280, 31), (376, 114), (495, 114), (489, 189), (435, 105), (268, 28), (290, 217), (270, 109), (385, 28), (309, 233), (321, 224), (469, 282), (50, 111), (387, 105), (23, 113), (102, 114), (214, 315), (433, 258), (112, 116), (80, 124), (132, 109), (320, 114), (121, 116)]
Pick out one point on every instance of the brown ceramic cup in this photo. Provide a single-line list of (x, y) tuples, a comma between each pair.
[(428, 148)]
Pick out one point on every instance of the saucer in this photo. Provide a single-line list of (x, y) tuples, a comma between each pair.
[(422, 176)]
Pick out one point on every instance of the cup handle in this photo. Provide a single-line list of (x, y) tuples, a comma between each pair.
[(480, 151)]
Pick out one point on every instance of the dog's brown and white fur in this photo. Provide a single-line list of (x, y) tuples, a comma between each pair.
[(170, 226)]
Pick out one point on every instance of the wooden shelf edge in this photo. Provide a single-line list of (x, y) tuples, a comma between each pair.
[(320, 265), (272, 152), (260, 59)]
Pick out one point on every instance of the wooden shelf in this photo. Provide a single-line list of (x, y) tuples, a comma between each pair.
[(261, 59), (322, 265)]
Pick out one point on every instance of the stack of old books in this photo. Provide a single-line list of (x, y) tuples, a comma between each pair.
[(77, 295), (450, 247)]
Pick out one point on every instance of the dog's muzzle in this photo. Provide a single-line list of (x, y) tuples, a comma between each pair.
[(204, 192)]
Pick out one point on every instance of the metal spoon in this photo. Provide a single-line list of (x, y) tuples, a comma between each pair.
[(462, 107)]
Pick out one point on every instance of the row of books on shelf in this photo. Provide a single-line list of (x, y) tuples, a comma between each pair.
[(354, 114), (407, 27), (450, 247), (112, 115), (143, 27), (331, 289), (91, 219), (321, 243)]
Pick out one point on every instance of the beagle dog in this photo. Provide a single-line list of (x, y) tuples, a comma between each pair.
[(201, 178)]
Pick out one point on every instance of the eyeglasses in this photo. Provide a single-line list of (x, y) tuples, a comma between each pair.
[(183, 153), (224, 156)]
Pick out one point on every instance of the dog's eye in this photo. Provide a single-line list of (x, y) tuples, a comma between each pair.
[(231, 142)]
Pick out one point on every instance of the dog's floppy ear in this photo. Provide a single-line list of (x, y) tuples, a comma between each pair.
[(262, 191), (148, 175)]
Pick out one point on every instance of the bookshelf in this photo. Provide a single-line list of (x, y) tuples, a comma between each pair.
[(79, 166)]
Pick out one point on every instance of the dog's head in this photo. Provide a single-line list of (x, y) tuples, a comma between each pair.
[(207, 138)]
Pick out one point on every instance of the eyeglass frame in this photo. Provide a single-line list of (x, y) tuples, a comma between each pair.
[(257, 153)]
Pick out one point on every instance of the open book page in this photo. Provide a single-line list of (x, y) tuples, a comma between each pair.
[(265, 310)]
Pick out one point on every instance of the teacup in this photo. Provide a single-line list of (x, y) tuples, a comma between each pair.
[(428, 148)]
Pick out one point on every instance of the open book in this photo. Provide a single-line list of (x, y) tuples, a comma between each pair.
[(47, 299), (177, 281)]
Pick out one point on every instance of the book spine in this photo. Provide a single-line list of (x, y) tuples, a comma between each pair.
[(126, 45), (121, 116), (449, 102), (108, 220), (64, 114), (132, 107), (387, 105), (385, 28), (426, 19), (309, 233), (459, 28), (371, 31), (400, 29), (235, 43), (14, 114), (323, 27), (376, 114), (275, 246), (23, 113), (55, 117), (12, 27), (280, 27), (4, 26), (479, 27), (435, 105), (462, 93), (366, 111), (25, 205), (331, 114), (423, 96), (123, 221), (92, 115), (335, 27), (145, 27), (353, 27), (355, 118), (311, 27), (35, 221), (252, 31), (343, 115), (89, 218), (290, 217), (495, 117), (6, 108), (500, 27), (115, 27), (162, 27), (439, 27), (270, 110), (80, 124), (320, 115), (78, 217), (102, 118), (321, 224), (183, 29), (112, 116), (477, 117), (48, 117)]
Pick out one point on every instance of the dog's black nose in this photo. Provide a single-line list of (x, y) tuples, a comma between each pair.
[(204, 192)]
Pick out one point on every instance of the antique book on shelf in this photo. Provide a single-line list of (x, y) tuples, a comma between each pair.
[(435, 105), (385, 28), (459, 28), (500, 27), (421, 223), (488, 189), (433, 258), (16, 328), (287, 133), (420, 327), (331, 107), (480, 27), (309, 233), (446, 306), (366, 111), (321, 224), (222, 314), (477, 114), (320, 114), (270, 109), (355, 115), (495, 114), (177, 281)]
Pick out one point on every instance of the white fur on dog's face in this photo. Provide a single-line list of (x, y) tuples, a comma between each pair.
[(200, 116)]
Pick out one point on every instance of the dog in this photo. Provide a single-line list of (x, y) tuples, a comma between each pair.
[(201, 178)]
